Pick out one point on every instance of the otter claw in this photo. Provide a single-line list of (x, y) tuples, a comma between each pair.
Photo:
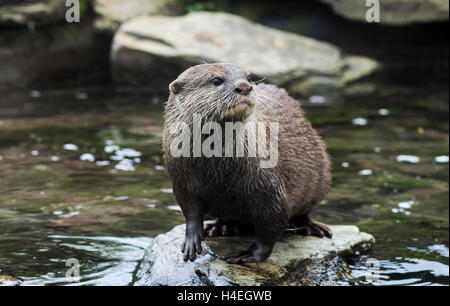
[(317, 229), (191, 247)]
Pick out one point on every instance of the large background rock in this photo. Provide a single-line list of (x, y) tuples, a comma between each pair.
[(36, 12), (296, 260), (53, 55), (154, 50), (115, 12), (394, 12)]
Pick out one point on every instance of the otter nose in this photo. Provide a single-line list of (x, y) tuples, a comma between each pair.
[(243, 88)]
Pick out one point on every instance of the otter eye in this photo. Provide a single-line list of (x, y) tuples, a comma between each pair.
[(249, 78), (217, 81)]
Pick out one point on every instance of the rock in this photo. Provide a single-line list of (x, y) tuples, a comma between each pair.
[(32, 13), (394, 12), (39, 49), (360, 67), (52, 56), (115, 12), (155, 49), (296, 260), (7, 280)]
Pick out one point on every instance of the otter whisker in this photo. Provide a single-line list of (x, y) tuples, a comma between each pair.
[(265, 99), (259, 81)]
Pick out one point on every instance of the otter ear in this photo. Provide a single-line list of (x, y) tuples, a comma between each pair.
[(176, 87)]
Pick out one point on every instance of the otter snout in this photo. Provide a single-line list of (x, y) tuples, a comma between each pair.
[(243, 88)]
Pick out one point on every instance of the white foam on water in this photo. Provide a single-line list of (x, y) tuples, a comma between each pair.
[(408, 158), (359, 121), (365, 172)]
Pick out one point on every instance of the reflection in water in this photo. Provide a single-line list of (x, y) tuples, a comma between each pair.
[(107, 261), (408, 158), (442, 159), (359, 121), (90, 184), (407, 271)]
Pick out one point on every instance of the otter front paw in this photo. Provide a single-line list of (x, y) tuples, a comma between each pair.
[(191, 247), (258, 252)]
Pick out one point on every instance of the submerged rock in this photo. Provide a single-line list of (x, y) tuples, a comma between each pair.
[(7, 280), (394, 12), (155, 49), (296, 260)]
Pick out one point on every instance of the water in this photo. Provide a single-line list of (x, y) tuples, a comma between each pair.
[(82, 176)]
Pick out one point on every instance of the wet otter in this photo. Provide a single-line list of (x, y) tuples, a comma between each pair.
[(237, 191)]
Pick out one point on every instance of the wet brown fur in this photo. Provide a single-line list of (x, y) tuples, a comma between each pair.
[(237, 189)]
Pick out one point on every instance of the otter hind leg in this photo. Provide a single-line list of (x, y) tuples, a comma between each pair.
[(266, 236), (304, 225), (258, 252), (221, 227)]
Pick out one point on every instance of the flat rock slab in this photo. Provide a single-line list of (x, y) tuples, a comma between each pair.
[(296, 260), (155, 49)]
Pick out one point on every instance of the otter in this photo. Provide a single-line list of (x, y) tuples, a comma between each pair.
[(242, 196)]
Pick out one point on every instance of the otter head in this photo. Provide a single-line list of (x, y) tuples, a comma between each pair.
[(217, 92)]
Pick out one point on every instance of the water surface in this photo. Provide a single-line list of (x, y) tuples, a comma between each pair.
[(82, 176)]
